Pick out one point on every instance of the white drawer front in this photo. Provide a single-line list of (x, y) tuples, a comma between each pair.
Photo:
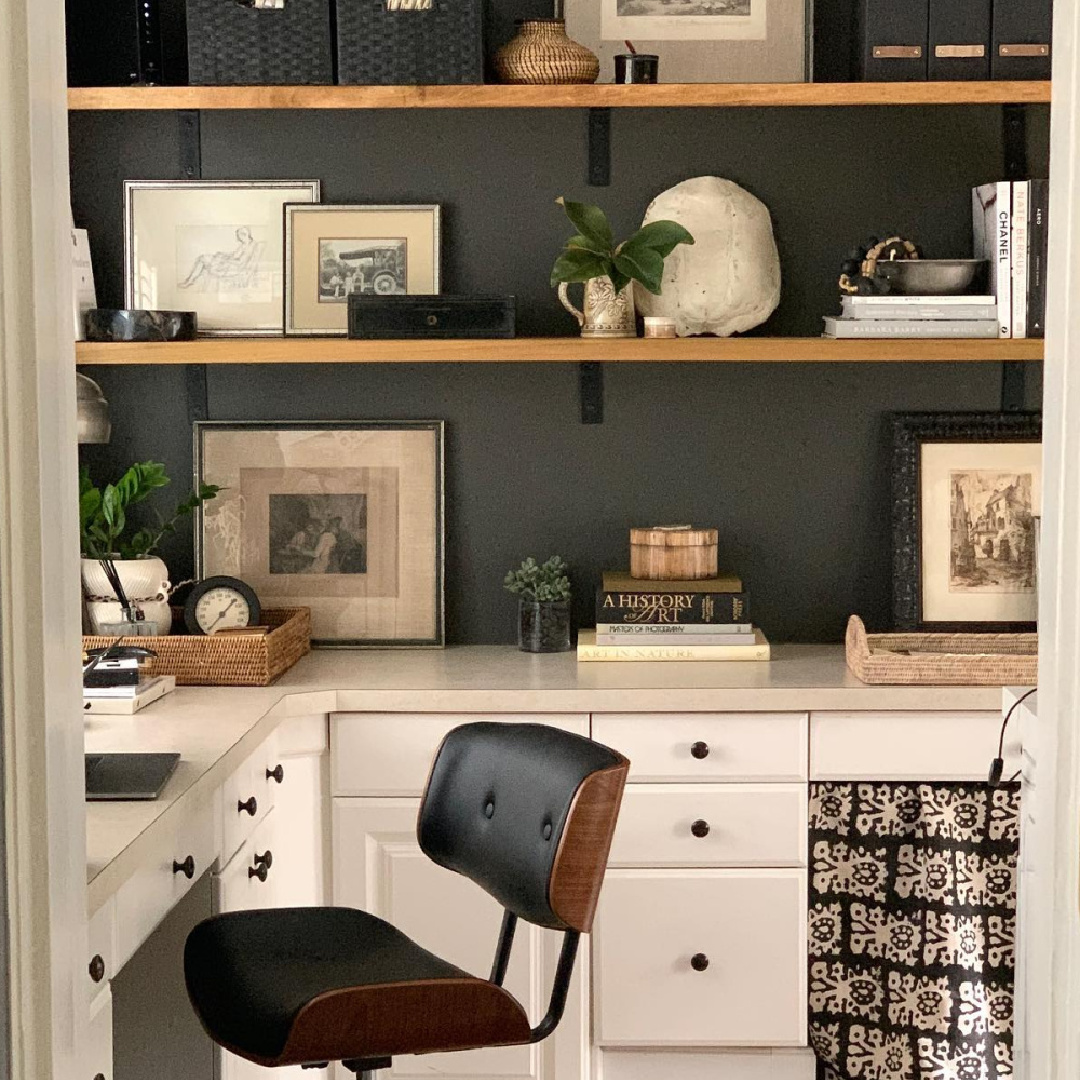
[(98, 1052), (247, 797), (238, 886), (391, 753), (101, 933), (708, 747), (749, 924), (908, 746), (152, 892), (711, 825), (716, 1065)]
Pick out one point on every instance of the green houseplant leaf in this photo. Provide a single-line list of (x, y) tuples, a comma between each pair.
[(591, 222), (643, 265), (577, 264), (663, 237)]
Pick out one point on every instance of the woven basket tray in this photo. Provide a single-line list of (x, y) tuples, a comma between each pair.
[(942, 659), (230, 660)]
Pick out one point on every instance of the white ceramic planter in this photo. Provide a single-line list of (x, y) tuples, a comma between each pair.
[(146, 582)]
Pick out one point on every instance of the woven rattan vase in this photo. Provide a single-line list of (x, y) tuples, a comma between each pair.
[(542, 54)]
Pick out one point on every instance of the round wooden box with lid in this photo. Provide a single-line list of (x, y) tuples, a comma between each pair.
[(672, 553)]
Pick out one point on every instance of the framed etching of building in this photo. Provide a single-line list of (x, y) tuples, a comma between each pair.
[(345, 518), (967, 492), (699, 40)]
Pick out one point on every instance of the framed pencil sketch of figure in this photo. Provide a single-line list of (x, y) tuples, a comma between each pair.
[(345, 518), (967, 493), (210, 246), (698, 40), (334, 252)]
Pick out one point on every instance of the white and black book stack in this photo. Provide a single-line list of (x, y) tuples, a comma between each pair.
[(914, 317), (121, 686), (1010, 225)]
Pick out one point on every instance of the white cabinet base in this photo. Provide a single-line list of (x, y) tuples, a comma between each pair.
[(718, 1065)]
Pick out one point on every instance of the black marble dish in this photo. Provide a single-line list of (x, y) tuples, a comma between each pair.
[(120, 324)]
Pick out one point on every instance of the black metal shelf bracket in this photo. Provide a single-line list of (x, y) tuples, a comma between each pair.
[(591, 386), (190, 140), (599, 148)]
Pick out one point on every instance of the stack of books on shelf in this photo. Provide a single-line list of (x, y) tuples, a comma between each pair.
[(914, 317), (704, 619), (1010, 223), (122, 687)]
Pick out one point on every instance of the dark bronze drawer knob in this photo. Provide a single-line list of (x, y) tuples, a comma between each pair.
[(97, 968), (700, 750), (277, 774), (700, 829), (699, 961), (187, 867), (250, 807), (99, 1076), (266, 859), (261, 872)]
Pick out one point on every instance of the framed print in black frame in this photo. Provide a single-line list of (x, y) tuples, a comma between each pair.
[(967, 488), (343, 517)]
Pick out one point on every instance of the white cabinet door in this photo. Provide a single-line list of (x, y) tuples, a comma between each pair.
[(378, 866), (301, 833)]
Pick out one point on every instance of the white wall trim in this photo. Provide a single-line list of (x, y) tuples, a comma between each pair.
[(1055, 898), (39, 580)]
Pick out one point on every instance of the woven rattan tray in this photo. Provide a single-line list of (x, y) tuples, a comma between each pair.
[(232, 660), (942, 659)]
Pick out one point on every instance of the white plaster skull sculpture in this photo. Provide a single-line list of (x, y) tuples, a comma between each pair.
[(727, 280)]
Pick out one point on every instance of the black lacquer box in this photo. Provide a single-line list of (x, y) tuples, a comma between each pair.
[(431, 316)]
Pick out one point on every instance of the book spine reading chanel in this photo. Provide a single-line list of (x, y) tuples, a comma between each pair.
[(670, 608)]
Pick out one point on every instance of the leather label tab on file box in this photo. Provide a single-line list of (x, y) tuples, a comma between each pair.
[(897, 52), (961, 51), (1023, 50)]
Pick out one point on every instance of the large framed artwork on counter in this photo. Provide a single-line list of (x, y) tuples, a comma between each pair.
[(967, 497), (345, 518), (210, 246)]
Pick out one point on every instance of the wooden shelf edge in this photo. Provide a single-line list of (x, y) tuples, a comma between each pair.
[(605, 95), (280, 350)]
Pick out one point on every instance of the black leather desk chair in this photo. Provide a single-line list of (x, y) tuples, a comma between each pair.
[(525, 811)]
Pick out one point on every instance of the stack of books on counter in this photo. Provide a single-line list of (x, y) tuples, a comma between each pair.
[(915, 317), (671, 620), (121, 687)]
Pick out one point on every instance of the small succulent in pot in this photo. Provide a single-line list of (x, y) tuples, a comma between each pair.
[(543, 591)]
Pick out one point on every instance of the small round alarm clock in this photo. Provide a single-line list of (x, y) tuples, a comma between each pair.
[(221, 603)]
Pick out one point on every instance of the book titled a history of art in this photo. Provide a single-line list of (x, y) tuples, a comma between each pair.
[(718, 601)]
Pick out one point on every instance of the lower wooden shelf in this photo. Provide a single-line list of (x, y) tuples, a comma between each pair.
[(702, 350)]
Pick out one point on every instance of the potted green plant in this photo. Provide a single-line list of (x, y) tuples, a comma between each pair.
[(607, 270), (543, 592), (116, 552)]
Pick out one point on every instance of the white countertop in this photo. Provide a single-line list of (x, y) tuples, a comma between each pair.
[(214, 728)]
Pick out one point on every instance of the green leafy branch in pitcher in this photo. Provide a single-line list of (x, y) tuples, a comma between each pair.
[(592, 252)]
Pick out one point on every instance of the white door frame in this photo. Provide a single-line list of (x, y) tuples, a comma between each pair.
[(1053, 991), (40, 619)]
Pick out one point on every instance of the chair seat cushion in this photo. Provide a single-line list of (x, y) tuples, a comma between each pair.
[(295, 985)]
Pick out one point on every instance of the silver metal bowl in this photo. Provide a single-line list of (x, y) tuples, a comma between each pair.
[(934, 277)]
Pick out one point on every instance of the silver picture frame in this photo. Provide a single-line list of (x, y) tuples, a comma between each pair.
[(415, 227), (248, 270)]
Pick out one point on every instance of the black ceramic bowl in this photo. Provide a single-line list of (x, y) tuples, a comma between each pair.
[(120, 324)]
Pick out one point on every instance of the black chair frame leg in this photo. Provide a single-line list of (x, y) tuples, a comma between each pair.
[(365, 1068)]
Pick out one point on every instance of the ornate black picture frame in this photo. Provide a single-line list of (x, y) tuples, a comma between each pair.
[(911, 432)]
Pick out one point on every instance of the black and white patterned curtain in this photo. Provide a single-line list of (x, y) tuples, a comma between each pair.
[(912, 929)]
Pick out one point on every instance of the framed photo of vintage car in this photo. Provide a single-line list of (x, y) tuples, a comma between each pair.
[(967, 495), (345, 518), (334, 252), (210, 246)]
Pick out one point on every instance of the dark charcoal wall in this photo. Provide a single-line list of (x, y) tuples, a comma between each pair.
[(788, 462)]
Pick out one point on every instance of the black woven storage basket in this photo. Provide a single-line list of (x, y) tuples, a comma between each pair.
[(405, 43), (230, 43)]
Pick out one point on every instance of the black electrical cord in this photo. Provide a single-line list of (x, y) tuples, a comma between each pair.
[(997, 766)]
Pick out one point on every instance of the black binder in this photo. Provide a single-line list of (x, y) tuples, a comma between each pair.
[(1020, 45), (891, 40), (959, 39)]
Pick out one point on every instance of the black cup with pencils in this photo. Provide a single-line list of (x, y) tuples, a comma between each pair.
[(635, 67)]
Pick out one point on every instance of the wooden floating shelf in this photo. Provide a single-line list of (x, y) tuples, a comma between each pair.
[(664, 95), (704, 350)]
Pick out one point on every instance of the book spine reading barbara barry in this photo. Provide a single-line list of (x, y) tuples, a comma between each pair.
[(671, 608)]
